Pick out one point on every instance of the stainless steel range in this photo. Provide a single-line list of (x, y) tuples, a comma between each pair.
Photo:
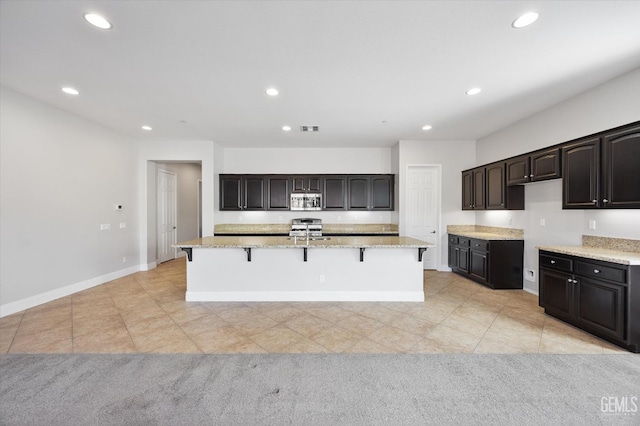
[(303, 227)]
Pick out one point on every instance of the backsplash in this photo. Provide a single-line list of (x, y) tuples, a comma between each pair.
[(620, 244)]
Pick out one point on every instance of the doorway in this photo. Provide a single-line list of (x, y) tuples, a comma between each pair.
[(423, 209), (166, 215)]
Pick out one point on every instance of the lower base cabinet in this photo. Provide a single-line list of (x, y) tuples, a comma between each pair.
[(593, 295), (494, 263)]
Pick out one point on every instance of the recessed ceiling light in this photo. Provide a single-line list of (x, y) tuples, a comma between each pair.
[(426, 127), (272, 91), (525, 20), (473, 91), (70, 91), (147, 128), (97, 21), (286, 128)]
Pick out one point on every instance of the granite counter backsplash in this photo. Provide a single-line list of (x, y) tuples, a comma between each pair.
[(619, 244), (327, 228), (617, 250)]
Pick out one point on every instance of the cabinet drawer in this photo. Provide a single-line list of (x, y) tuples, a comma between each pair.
[(453, 239), (559, 263), (479, 245), (463, 241), (592, 270)]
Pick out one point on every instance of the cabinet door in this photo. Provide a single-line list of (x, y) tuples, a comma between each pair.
[(463, 259), (496, 187), (467, 190), (358, 193), (382, 193), (478, 265), (556, 293), (518, 170), (334, 194), (278, 197), (254, 193), (478, 189), (545, 165), (453, 256), (621, 169), (299, 184), (230, 192), (600, 307), (314, 183), (580, 174)]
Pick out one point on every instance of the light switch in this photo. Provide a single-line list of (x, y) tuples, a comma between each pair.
[(123, 225), (543, 222), (592, 224), (105, 226)]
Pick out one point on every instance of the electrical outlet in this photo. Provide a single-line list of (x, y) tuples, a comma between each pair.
[(592, 224), (321, 278), (530, 275), (543, 222), (124, 259), (123, 225), (339, 218), (105, 226)]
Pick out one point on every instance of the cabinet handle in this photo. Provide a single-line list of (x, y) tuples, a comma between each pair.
[(525, 176), (553, 262), (575, 281), (569, 280), (531, 175), (605, 200), (596, 271), (594, 201)]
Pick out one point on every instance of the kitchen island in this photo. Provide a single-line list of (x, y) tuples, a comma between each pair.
[(381, 268)]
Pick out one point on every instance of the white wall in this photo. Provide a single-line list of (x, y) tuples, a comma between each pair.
[(60, 178), (151, 152), (305, 161), (454, 156), (610, 105)]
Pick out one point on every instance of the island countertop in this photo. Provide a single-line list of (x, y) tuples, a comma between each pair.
[(287, 242)]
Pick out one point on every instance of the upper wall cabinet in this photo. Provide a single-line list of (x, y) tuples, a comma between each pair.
[(239, 192), (534, 167), (473, 189), (603, 171), (339, 192), (485, 188), (621, 168), (307, 183), (370, 192)]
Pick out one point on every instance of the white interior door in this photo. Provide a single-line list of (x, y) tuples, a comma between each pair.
[(167, 226), (423, 212)]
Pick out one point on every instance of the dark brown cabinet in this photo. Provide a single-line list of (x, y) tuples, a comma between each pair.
[(473, 189), (485, 188), (242, 192), (621, 168), (278, 193), (594, 295), (370, 192), (534, 167), (495, 263), (602, 171), (334, 190), (306, 183), (581, 174)]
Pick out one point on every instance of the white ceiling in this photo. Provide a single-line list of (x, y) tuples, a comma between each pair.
[(369, 73)]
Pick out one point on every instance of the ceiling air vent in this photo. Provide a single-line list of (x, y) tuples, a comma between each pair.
[(309, 128)]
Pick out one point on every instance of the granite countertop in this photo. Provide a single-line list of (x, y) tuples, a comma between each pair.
[(486, 236), (285, 242), (596, 253), (486, 232)]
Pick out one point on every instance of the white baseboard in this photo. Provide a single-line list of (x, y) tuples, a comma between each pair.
[(444, 268), (38, 299), (305, 296), (149, 266)]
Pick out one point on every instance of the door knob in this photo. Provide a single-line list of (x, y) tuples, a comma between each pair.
[(433, 232)]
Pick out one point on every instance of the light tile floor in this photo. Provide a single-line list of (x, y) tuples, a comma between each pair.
[(146, 312)]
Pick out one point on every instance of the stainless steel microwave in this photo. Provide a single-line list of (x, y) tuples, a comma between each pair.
[(306, 201)]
